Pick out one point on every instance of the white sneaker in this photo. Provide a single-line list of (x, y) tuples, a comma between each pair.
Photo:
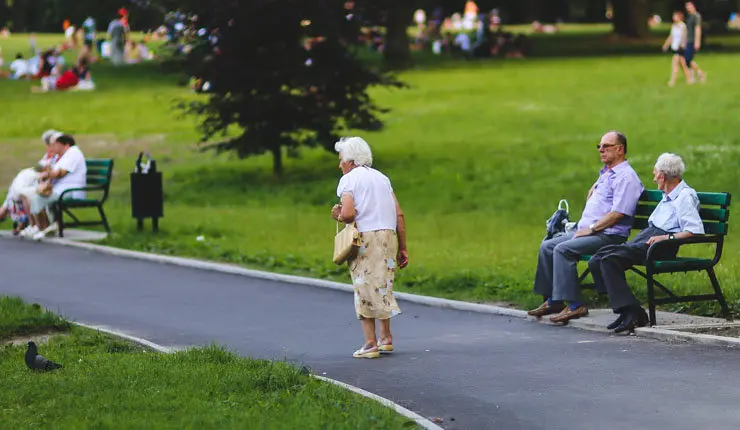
[(46, 232), (29, 231), (52, 228)]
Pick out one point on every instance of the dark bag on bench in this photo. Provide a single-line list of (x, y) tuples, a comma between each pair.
[(556, 224)]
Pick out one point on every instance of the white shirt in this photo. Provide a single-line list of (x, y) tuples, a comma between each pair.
[(19, 68), (375, 207), (73, 161), (678, 211), (678, 35), (24, 181)]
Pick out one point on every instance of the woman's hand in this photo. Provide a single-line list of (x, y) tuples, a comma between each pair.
[(402, 258), (335, 211)]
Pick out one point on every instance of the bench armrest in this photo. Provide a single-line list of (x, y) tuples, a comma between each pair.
[(716, 239), (89, 188)]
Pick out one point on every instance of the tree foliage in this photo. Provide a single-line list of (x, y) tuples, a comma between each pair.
[(284, 72)]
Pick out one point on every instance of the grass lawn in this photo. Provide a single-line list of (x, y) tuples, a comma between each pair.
[(479, 154), (18, 318), (111, 383)]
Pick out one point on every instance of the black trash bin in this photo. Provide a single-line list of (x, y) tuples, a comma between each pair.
[(147, 195)]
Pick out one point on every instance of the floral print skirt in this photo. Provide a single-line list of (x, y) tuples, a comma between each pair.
[(373, 272)]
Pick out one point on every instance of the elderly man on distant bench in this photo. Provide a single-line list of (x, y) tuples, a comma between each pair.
[(675, 217), (69, 172), (606, 220)]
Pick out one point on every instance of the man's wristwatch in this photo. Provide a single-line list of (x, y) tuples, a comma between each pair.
[(591, 227), (671, 236)]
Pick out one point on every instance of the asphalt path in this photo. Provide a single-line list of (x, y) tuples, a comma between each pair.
[(474, 371)]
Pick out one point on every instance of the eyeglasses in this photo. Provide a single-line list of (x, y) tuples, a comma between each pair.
[(605, 146)]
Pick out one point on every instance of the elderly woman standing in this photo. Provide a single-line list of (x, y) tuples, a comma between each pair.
[(367, 199)]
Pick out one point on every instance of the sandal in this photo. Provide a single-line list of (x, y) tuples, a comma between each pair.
[(363, 352), (385, 347)]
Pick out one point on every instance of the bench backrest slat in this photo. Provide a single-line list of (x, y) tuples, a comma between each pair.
[(99, 162), (99, 173), (707, 214), (714, 217)]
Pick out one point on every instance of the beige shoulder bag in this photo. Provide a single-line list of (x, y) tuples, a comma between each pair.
[(346, 243)]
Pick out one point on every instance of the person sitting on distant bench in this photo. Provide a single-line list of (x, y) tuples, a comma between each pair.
[(606, 220), (25, 181), (69, 172)]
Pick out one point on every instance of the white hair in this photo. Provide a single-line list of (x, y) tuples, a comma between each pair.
[(671, 165), (354, 149), (46, 137)]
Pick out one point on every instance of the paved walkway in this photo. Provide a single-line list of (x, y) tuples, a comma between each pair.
[(475, 371)]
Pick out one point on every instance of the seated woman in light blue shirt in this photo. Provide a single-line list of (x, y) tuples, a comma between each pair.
[(675, 217)]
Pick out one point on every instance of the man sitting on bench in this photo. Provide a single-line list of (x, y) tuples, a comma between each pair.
[(606, 219), (675, 217)]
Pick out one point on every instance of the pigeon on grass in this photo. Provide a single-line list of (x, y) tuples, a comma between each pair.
[(36, 361)]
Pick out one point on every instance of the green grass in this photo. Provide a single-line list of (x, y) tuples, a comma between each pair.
[(110, 383), (479, 154), (18, 318)]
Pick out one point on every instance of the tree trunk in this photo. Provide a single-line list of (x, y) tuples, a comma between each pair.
[(631, 18), (397, 53), (277, 161)]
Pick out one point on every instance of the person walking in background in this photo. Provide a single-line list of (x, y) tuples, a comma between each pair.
[(368, 200), (676, 41), (693, 42), (117, 34), (88, 27)]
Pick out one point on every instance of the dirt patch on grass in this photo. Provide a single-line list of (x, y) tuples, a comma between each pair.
[(40, 338)]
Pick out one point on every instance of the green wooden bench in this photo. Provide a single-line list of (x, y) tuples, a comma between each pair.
[(99, 173), (714, 212)]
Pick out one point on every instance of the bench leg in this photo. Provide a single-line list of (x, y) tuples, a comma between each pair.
[(103, 218), (651, 296), (60, 219), (718, 293)]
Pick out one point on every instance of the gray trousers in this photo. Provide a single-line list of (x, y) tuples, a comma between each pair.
[(117, 53), (557, 271), (608, 267)]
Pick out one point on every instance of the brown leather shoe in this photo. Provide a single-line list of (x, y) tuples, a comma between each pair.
[(546, 309), (567, 314)]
